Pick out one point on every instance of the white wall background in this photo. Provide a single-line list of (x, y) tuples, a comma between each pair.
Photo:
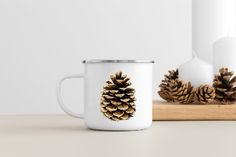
[(42, 40)]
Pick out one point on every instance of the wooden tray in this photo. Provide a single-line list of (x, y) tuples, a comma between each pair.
[(163, 111)]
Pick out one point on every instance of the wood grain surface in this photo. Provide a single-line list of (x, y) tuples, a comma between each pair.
[(163, 111)]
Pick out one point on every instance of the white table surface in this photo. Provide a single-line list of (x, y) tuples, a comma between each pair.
[(63, 136)]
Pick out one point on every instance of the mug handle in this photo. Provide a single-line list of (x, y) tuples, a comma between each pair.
[(59, 96)]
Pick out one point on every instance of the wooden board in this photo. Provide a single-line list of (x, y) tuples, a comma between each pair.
[(163, 111)]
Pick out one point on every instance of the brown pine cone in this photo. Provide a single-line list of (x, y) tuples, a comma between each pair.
[(205, 94), (181, 92), (225, 86), (164, 86), (117, 100)]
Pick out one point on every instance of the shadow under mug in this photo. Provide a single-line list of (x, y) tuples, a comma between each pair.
[(117, 94)]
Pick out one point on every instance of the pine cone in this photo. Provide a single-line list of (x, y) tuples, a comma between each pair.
[(224, 84), (181, 92), (117, 100), (205, 94), (164, 86)]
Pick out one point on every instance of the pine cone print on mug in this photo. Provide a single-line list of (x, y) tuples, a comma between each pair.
[(118, 99)]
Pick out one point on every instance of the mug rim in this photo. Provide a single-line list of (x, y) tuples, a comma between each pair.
[(118, 61)]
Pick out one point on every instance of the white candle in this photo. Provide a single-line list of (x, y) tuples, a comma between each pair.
[(196, 71), (224, 54), (211, 19)]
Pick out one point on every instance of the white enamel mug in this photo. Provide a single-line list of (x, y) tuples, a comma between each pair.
[(117, 94)]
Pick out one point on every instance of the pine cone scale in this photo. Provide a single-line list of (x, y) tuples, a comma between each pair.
[(233, 81)]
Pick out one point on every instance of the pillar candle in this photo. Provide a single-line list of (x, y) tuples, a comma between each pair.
[(196, 71), (211, 19), (224, 54)]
